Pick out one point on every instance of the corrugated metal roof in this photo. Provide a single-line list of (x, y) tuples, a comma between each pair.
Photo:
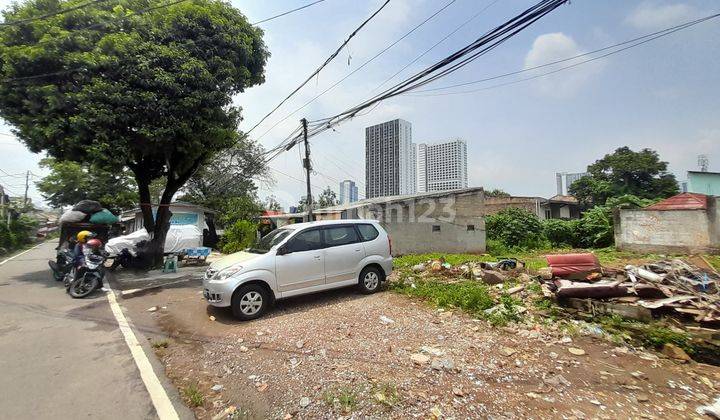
[(684, 201)]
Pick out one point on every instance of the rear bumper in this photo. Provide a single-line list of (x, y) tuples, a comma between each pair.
[(387, 265)]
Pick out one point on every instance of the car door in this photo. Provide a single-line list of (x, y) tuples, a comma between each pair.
[(303, 263), (343, 253)]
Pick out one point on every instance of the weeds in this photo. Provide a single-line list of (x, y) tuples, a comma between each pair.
[(468, 295), (653, 335), (160, 344), (386, 394), (193, 394), (344, 399)]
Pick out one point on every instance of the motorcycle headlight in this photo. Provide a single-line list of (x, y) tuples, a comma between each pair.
[(224, 274)]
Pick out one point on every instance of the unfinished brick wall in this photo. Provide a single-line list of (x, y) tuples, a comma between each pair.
[(669, 231)]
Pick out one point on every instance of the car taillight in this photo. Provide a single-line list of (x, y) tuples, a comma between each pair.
[(390, 244)]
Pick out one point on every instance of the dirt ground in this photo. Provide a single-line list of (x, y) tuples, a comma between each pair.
[(344, 355)]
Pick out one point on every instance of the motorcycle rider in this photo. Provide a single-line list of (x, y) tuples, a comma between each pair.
[(83, 237)]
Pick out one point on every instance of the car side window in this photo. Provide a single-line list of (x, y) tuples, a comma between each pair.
[(368, 232), (340, 235), (305, 241)]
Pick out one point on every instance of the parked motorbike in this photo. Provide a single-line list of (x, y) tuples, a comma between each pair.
[(62, 265), (87, 276)]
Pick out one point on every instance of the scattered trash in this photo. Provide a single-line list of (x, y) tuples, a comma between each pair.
[(217, 388), (710, 410), (300, 344), (576, 351), (385, 320), (152, 309), (212, 318), (304, 402)]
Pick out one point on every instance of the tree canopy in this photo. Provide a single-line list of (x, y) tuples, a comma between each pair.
[(624, 172), (70, 182), (327, 198), (129, 83)]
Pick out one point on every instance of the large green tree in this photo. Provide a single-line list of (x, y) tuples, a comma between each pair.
[(623, 172), (327, 198), (69, 182), (135, 84)]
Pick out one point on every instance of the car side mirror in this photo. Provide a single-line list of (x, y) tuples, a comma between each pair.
[(282, 250)]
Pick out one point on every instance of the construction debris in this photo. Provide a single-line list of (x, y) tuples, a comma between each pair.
[(663, 287)]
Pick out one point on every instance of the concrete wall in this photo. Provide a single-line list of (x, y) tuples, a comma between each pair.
[(450, 224), (669, 231), (704, 183), (532, 204)]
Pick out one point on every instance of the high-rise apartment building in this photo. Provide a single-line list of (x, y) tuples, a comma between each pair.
[(389, 159), (348, 192), (442, 166), (564, 180)]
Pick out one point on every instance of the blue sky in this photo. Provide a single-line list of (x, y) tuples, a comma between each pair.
[(662, 95)]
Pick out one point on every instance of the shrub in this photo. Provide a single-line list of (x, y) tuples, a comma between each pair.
[(238, 236), (515, 228), (561, 233)]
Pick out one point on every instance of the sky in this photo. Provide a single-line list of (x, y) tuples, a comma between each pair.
[(663, 95)]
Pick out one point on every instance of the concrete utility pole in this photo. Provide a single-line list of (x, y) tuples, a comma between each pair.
[(308, 168), (27, 184)]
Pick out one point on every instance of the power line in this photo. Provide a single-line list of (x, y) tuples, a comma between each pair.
[(322, 66), (632, 43), (473, 17), (451, 63), (355, 70), (286, 13), (51, 14)]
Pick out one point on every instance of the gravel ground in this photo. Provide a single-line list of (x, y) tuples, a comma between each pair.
[(344, 355)]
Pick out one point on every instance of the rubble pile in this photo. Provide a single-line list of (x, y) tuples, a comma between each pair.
[(494, 272), (664, 287)]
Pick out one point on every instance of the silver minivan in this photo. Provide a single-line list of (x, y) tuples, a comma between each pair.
[(298, 259)]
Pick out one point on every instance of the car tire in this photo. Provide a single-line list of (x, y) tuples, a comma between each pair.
[(370, 280), (250, 302)]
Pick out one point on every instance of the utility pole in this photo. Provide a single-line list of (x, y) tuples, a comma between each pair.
[(308, 168), (27, 184)]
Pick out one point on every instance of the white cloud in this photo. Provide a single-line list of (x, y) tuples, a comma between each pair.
[(557, 46), (653, 15)]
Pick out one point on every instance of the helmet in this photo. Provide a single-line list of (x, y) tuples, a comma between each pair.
[(94, 243), (84, 235)]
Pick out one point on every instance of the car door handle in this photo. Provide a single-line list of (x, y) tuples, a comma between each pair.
[(357, 250), (317, 257)]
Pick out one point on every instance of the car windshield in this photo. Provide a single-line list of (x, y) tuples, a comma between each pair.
[(270, 240)]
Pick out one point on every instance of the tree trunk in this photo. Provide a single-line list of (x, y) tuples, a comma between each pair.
[(143, 183), (162, 225)]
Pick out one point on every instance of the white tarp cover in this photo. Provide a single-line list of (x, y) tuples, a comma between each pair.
[(129, 241), (179, 238)]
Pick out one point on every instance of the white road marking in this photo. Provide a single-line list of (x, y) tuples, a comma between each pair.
[(17, 255), (163, 406)]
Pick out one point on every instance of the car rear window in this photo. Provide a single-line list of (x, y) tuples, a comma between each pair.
[(340, 235), (368, 232)]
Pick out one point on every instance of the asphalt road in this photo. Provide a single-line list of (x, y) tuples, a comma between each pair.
[(60, 357)]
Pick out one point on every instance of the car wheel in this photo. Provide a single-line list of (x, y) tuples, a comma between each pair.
[(370, 279), (250, 302)]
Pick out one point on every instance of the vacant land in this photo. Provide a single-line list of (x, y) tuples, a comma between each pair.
[(394, 355)]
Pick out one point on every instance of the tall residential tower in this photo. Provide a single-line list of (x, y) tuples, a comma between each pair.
[(348, 192), (389, 159), (442, 166)]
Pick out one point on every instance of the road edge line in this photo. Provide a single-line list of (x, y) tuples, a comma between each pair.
[(160, 399), (19, 254)]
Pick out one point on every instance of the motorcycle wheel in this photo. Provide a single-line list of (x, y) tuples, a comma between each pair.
[(82, 287)]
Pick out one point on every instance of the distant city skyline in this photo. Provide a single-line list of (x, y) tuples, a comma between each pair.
[(389, 159), (442, 166), (348, 192)]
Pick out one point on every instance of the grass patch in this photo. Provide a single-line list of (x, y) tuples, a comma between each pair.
[(343, 399), (714, 261), (194, 396), (653, 335), (470, 296), (160, 344), (386, 394)]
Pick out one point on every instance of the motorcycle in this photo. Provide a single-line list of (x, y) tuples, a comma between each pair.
[(62, 265), (87, 276)]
